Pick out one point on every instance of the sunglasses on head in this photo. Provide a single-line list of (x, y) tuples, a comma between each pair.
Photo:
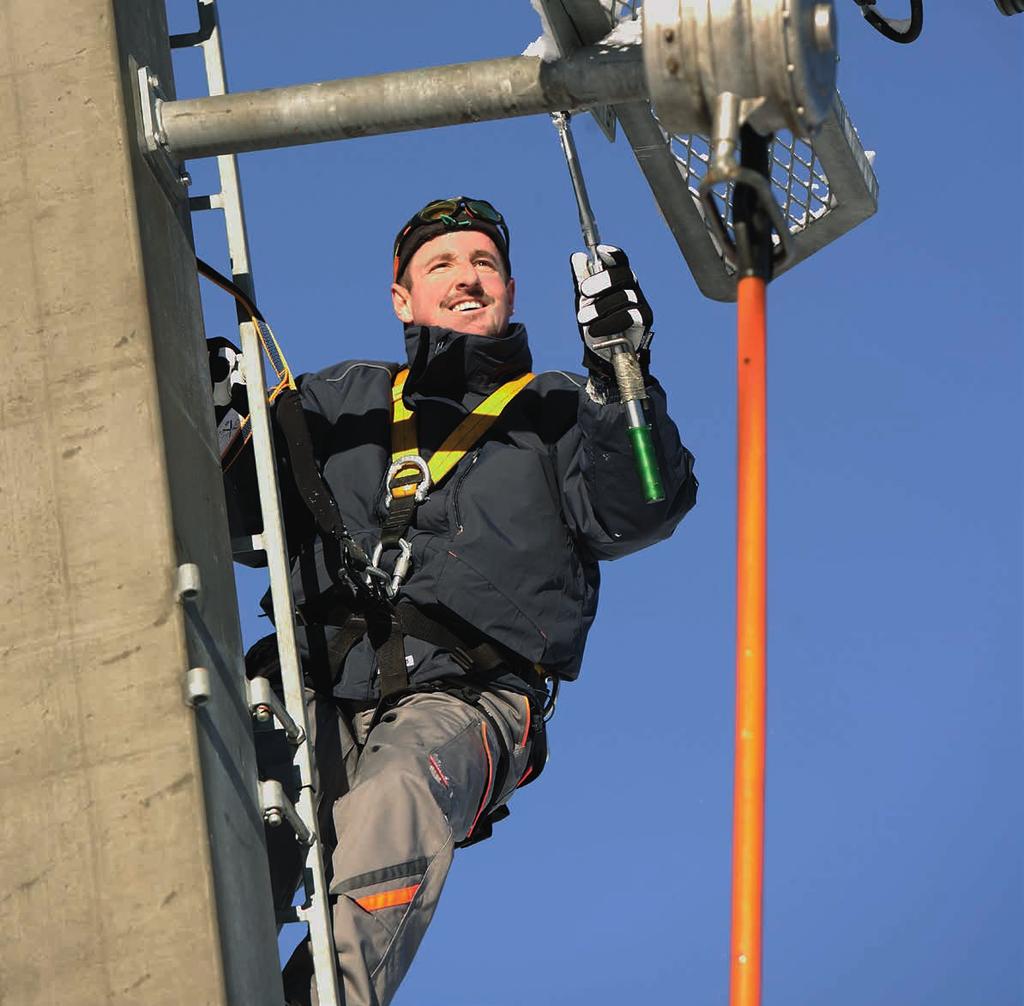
[(453, 213)]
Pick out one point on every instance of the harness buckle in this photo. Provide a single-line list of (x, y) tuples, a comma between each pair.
[(418, 491)]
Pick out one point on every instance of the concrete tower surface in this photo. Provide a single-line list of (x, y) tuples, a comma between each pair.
[(132, 857)]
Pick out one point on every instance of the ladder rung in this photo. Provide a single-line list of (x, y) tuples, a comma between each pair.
[(287, 916), (207, 25), (197, 203), (247, 547)]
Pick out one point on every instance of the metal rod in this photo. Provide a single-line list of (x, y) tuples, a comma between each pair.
[(588, 224), (628, 375), (399, 102)]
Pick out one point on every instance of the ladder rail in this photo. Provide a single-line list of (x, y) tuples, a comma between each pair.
[(316, 912)]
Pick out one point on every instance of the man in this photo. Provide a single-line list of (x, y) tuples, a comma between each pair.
[(487, 495)]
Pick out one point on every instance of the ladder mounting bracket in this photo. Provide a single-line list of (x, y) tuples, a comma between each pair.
[(148, 96)]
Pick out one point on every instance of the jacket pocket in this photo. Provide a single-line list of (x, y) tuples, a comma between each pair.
[(458, 487)]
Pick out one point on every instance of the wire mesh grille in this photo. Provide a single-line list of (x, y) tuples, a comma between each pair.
[(622, 10), (799, 183)]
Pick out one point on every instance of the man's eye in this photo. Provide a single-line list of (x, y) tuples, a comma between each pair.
[(485, 262)]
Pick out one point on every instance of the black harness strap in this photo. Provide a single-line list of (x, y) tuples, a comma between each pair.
[(386, 638), (481, 655), (309, 481), (386, 630), (396, 524)]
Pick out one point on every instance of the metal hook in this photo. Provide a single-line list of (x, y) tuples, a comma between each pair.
[(902, 31), (723, 167)]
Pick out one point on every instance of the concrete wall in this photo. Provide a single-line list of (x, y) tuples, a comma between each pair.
[(114, 792)]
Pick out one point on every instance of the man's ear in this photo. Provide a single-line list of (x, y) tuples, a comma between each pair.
[(401, 301), (510, 286)]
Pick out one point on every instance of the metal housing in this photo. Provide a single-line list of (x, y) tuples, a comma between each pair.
[(777, 56)]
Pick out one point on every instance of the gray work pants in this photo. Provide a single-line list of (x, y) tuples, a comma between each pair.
[(395, 801)]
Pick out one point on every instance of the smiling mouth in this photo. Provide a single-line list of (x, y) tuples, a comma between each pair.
[(467, 306)]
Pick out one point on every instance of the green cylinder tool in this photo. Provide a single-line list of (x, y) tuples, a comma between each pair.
[(628, 375)]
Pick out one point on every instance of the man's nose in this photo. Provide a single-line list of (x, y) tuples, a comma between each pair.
[(466, 274)]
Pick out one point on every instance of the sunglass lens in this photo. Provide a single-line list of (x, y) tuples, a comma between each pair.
[(437, 209), (483, 211)]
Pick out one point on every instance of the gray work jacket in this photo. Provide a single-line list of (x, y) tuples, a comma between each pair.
[(509, 542)]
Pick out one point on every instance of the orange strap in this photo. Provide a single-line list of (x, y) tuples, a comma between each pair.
[(458, 442), (388, 899)]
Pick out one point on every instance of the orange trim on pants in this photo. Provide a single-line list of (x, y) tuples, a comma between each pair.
[(388, 899)]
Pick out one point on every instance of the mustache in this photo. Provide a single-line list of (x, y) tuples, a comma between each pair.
[(481, 297)]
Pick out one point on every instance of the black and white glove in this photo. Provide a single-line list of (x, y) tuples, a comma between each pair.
[(226, 376), (610, 305), (230, 399)]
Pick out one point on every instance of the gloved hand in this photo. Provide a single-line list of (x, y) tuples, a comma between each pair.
[(610, 304), (230, 398), (227, 377)]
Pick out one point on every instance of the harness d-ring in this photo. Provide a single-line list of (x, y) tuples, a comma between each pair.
[(423, 487)]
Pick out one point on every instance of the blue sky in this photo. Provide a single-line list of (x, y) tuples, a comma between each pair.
[(893, 864)]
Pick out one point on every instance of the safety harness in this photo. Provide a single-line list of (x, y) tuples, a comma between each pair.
[(408, 483), (410, 479)]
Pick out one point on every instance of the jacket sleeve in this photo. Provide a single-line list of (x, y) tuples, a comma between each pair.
[(602, 499)]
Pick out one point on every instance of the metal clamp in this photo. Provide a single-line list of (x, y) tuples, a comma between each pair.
[(190, 584), (152, 97), (423, 487), (724, 167), (264, 704), (277, 809), (197, 686)]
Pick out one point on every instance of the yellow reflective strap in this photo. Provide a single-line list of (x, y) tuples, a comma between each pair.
[(460, 440), (403, 425), (473, 427)]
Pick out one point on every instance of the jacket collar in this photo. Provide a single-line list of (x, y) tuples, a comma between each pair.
[(449, 364)]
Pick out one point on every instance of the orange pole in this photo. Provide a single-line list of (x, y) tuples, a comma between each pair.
[(748, 787)]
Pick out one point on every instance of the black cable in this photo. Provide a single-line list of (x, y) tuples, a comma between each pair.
[(752, 226), (886, 26), (207, 270)]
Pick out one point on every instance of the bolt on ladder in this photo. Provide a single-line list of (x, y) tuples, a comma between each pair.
[(263, 702)]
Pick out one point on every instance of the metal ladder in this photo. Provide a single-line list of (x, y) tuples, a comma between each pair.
[(264, 704)]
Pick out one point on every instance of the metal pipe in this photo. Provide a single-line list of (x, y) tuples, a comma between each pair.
[(749, 768), (399, 102)]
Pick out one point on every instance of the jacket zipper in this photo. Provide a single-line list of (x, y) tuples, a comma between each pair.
[(457, 488)]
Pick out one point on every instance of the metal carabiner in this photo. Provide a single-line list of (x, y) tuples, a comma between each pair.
[(402, 565)]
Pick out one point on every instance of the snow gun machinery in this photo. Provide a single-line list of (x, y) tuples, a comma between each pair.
[(731, 111)]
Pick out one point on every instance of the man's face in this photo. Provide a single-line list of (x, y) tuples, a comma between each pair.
[(457, 281)]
